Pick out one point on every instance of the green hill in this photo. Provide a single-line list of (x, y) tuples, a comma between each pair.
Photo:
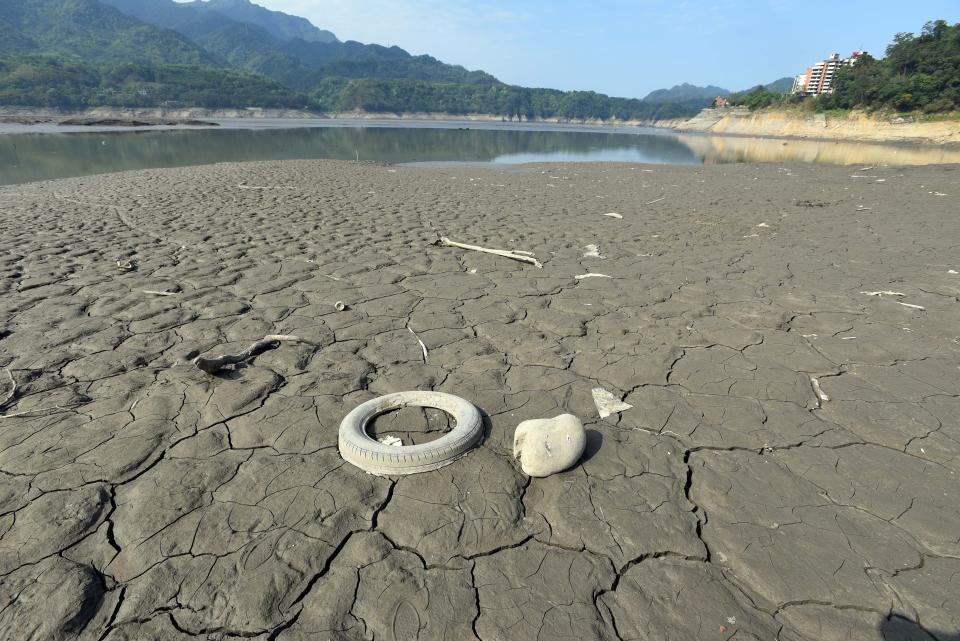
[(238, 32), (685, 93), (88, 30), (34, 81), (783, 85), (276, 23)]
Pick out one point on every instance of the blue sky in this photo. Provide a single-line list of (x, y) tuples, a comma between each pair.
[(626, 47)]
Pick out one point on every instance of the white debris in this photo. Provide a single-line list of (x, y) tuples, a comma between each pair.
[(763, 225), (582, 276), (592, 251), (392, 440), (816, 388), (951, 271), (614, 214), (884, 293), (921, 307), (607, 403)]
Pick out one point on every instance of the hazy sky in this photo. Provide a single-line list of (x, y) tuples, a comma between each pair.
[(626, 47)]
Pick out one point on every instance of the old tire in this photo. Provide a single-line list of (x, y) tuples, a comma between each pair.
[(360, 449)]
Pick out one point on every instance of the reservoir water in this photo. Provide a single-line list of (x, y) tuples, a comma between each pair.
[(30, 153)]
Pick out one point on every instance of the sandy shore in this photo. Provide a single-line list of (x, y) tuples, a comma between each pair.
[(795, 124), (788, 470)]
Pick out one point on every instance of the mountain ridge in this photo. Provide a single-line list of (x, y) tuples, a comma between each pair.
[(277, 23), (155, 53)]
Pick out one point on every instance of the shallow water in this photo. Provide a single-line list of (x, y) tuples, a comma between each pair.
[(49, 154)]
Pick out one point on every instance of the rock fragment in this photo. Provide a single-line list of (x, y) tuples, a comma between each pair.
[(607, 403)]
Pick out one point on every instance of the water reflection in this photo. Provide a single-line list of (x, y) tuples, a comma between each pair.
[(718, 149), (28, 157)]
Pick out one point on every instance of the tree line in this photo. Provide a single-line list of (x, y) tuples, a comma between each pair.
[(52, 82)]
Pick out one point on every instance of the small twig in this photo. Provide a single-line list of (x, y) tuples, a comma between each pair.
[(423, 347), (215, 364), (582, 276), (38, 410), (521, 256), (156, 293), (246, 186), (816, 388), (657, 200), (920, 307), (884, 293), (12, 392)]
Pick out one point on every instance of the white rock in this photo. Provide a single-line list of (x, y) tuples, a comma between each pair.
[(546, 446)]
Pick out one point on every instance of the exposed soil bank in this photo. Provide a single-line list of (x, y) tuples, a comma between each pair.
[(783, 124), (38, 115)]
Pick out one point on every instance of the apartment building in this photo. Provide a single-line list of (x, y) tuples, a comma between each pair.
[(820, 77)]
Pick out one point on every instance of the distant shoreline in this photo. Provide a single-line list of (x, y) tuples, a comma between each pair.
[(741, 123), (42, 115)]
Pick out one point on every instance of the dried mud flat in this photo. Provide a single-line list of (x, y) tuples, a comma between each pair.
[(143, 499)]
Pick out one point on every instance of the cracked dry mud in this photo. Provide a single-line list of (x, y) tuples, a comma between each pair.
[(143, 499)]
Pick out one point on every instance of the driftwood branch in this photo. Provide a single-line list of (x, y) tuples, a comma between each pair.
[(522, 256), (55, 408), (214, 364), (423, 348), (12, 392)]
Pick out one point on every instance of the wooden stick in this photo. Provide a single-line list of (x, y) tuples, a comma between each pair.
[(38, 410), (446, 242), (12, 392), (423, 347), (216, 363)]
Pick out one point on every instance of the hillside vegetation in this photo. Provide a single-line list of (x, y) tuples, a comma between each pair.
[(919, 73), (38, 81)]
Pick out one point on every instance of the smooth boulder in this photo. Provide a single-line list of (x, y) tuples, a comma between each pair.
[(546, 446)]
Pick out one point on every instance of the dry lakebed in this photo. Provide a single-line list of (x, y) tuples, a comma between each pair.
[(787, 339)]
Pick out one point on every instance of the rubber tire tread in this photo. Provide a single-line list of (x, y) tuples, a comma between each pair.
[(360, 449)]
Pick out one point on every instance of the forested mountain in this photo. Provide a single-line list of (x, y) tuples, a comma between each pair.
[(38, 81), (232, 53), (686, 92), (241, 33), (276, 23), (90, 30), (783, 85)]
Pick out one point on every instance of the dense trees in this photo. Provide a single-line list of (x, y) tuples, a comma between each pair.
[(49, 82), (520, 103), (919, 73)]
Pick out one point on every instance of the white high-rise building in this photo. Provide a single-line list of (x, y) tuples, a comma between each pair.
[(819, 78)]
